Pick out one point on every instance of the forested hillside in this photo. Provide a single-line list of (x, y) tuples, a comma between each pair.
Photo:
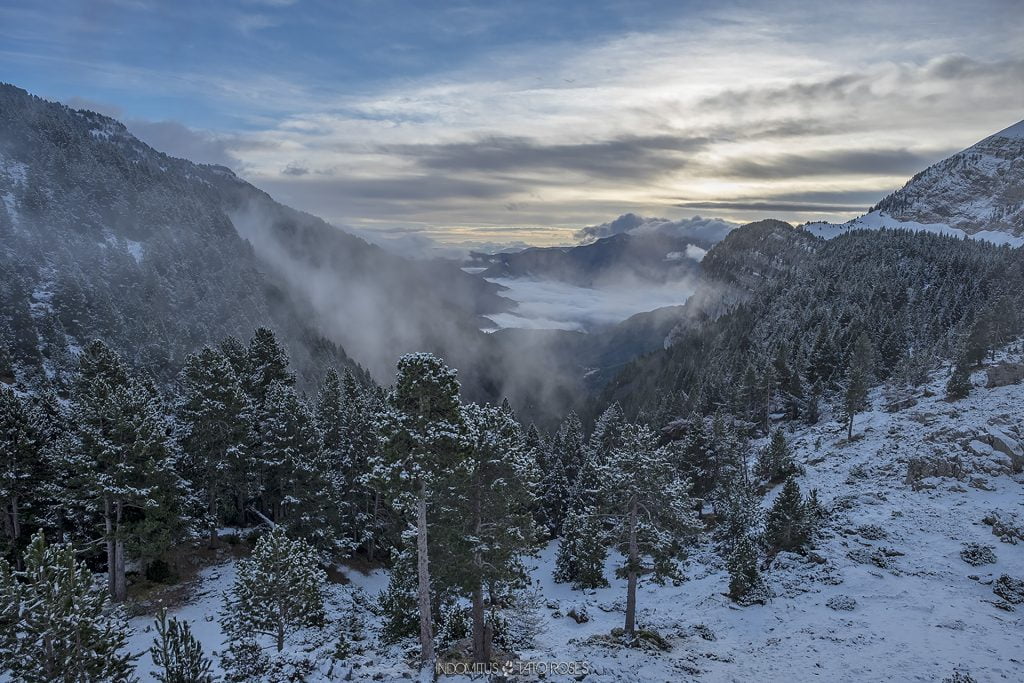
[(910, 300)]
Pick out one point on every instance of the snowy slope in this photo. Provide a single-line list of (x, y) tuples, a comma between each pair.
[(877, 220), (891, 553), (978, 192), (980, 188)]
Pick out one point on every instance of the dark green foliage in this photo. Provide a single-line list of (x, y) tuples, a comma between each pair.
[(745, 584), (55, 626), (786, 525), (959, 384), (776, 461), (278, 590), (817, 306), (177, 654), (582, 550), (859, 377)]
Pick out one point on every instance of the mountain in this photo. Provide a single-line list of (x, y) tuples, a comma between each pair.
[(103, 236), (632, 249), (978, 189), (978, 192)]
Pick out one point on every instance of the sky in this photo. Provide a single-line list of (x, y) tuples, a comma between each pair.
[(507, 123)]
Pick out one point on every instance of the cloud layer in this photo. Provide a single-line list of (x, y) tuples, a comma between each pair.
[(480, 122)]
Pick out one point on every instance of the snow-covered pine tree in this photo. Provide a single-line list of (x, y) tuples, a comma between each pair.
[(582, 550), (176, 653), (298, 490), (278, 590), (607, 436), (566, 455), (500, 500), (420, 463), (537, 450), (786, 524), (775, 462), (124, 461), (959, 384), (649, 509), (56, 625), (215, 428), (746, 586), (267, 363), (22, 470), (858, 380)]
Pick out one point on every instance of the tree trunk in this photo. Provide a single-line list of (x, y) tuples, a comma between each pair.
[(108, 525), (120, 584), (212, 502), (423, 574), (479, 637), (15, 521), (479, 641), (373, 528), (849, 427), (631, 574)]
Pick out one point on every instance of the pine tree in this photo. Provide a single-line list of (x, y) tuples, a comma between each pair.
[(649, 510), (215, 431), (124, 461), (55, 625), (745, 584), (959, 384), (267, 363), (565, 458), (786, 525), (420, 463), (858, 380), (277, 590), (500, 499), (298, 490), (582, 551), (22, 467), (776, 461), (177, 654)]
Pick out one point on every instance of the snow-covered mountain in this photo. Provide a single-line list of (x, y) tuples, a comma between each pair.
[(978, 192)]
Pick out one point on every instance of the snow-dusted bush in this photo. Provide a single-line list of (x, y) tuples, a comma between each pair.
[(1009, 588), (977, 554), (841, 603)]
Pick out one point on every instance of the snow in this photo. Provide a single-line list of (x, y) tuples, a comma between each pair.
[(1014, 131), (922, 614), (877, 220), (135, 249)]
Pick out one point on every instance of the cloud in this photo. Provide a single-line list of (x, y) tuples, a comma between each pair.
[(294, 169), (545, 304), (834, 162), (178, 140), (708, 230), (105, 108), (626, 157)]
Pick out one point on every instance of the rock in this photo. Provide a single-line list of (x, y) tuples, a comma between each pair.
[(977, 554), (1002, 374), (841, 603), (579, 615), (1007, 445), (901, 404)]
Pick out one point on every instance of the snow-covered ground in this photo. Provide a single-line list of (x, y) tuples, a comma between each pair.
[(876, 220), (889, 597)]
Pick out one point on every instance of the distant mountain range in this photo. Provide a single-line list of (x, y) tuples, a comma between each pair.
[(630, 249), (103, 236)]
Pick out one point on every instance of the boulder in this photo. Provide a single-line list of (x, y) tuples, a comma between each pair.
[(1002, 374), (1007, 445)]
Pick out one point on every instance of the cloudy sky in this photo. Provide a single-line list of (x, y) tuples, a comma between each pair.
[(511, 122)]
